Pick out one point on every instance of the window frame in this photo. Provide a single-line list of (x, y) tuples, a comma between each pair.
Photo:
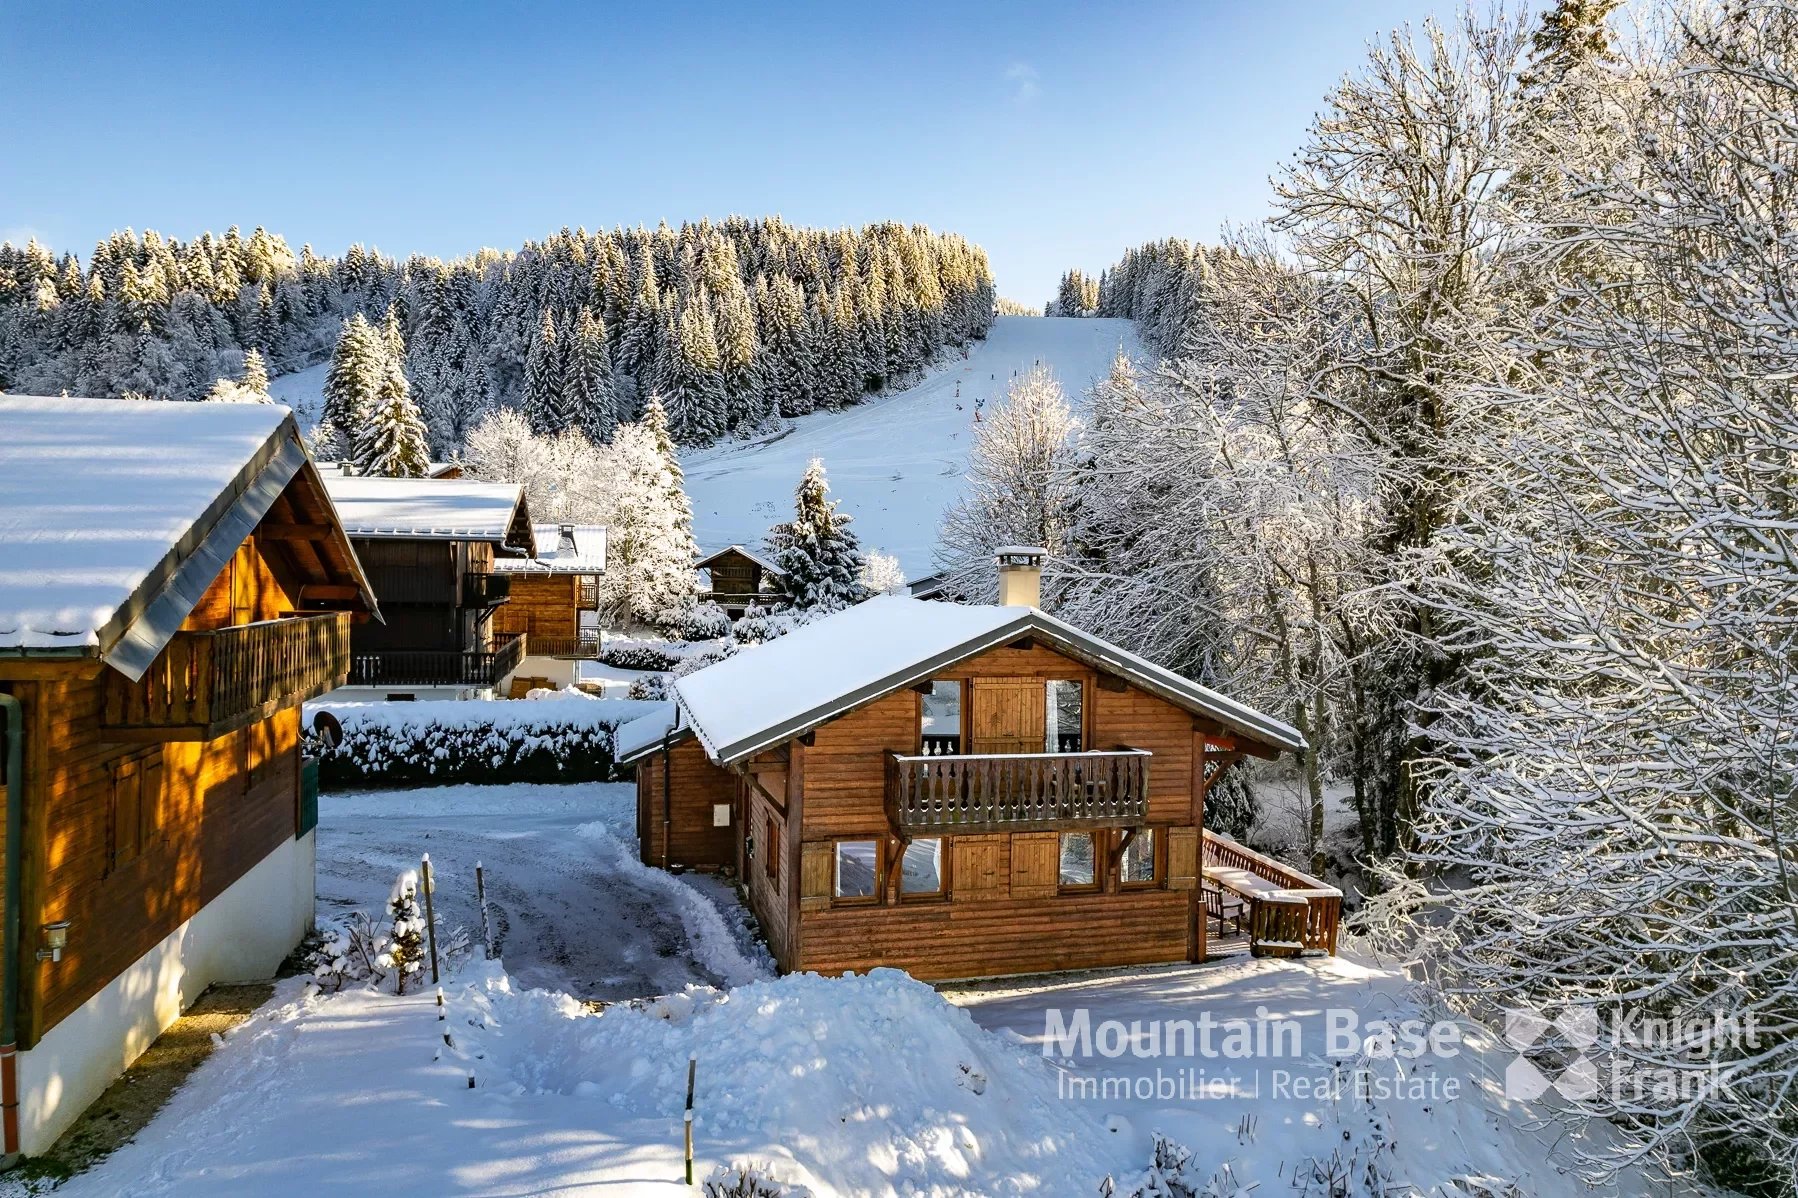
[(1157, 871), (946, 853), (1085, 711), (874, 896), (770, 852), (963, 705), (1100, 845)]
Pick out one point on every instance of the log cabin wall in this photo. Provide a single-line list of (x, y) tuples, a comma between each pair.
[(128, 841), (696, 786), (1003, 910), (542, 605), (767, 879)]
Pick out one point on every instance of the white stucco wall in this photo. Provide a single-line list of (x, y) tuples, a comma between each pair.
[(241, 935), (559, 670)]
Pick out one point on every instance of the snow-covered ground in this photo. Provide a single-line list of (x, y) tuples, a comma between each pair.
[(898, 460), (570, 905), (303, 391), (877, 1085)]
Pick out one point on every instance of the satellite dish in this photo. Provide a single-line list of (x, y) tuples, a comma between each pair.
[(327, 729)]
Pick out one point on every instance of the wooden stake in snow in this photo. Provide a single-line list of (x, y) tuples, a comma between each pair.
[(430, 884), (692, 1067), (480, 893)]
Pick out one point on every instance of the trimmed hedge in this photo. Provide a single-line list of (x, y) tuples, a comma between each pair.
[(640, 655), (501, 742)]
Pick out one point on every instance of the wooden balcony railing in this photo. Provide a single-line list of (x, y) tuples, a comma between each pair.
[(437, 667), (587, 595), (205, 684), (1290, 912), (582, 647), (486, 590), (761, 599), (1017, 792)]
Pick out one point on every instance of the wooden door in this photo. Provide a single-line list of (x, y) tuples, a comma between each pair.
[(1008, 715)]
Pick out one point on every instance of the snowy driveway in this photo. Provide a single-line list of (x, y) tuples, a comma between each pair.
[(571, 907)]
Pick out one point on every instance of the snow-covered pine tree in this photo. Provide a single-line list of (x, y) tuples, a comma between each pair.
[(405, 951), (821, 557), (544, 403), (587, 384), (394, 443), (692, 383), (649, 543), (358, 366), (250, 387)]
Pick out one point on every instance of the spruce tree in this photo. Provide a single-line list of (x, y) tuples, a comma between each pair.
[(254, 381), (822, 559), (394, 443), (588, 397), (357, 367), (543, 400)]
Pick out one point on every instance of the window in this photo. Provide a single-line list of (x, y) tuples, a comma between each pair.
[(1137, 866), (770, 850), (921, 869), (1077, 861), (941, 719), (1062, 724), (858, 869)]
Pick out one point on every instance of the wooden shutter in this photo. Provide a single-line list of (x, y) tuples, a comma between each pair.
[(1182, 858), (1035, 864), (125, 827), (817, 865), (1009, 715), (980, 867)]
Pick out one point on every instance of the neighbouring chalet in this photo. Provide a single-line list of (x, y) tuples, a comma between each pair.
[(962, 790), (429, 546), (740, 579), (554, 602), (174, 583)]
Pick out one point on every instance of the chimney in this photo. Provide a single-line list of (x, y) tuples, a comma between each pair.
[(565, 540), (1020, 575)]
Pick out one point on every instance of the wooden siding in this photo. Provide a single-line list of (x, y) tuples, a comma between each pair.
[(543, 605), (697, 785)]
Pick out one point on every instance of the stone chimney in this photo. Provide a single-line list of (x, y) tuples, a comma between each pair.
[(565, 540), (1020, 575)]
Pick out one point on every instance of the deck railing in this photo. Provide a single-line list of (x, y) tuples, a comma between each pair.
[(1304, 914), (486, 590), (587, 594), (582, 647), (761, 599), (437, 667), (205, 684), (1017, 792)]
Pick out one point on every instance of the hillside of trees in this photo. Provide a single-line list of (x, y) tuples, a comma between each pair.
[(734, 324), (1475, 463)]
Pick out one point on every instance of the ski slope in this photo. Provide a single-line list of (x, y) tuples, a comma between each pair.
[(898, 460)]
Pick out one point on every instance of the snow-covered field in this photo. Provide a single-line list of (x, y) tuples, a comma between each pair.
[(876, 1085), (303, 391), (896, 461)]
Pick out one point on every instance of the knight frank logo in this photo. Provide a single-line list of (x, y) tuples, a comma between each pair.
[(1524, 1032)]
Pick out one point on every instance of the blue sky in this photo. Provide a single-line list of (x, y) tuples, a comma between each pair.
[(1052, 133)]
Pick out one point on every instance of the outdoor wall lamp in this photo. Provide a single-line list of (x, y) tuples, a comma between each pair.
[(56, 938)]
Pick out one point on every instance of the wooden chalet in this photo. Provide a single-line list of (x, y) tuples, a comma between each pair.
[(740, 579), (554, 602), (430, 546), (174, 583), (961, 790)]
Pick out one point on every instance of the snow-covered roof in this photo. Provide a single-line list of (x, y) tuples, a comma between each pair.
[(446, 508), (644, 733), (585, 555), (778, 690), (751, 554), (116, 515)]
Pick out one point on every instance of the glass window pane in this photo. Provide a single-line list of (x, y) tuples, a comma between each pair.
[(922, 870), (1076, 858), (942, 718), (1062, 722), (857, 863), (1138, 864)]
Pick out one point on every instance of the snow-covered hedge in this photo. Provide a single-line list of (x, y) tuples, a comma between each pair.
[(704, 622), (643, 655), (444, 742)]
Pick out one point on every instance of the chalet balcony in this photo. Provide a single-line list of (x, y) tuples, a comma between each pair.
[(486, 590), (761, 599), (581, 647), (437, 667), (206, 684), (1016, 792)]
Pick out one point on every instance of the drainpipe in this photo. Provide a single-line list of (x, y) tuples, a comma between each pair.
[(14, 900), (667, 797)]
